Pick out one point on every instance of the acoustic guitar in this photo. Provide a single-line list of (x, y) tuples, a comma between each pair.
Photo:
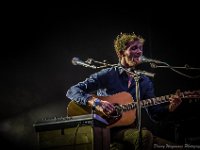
[(125, 106)]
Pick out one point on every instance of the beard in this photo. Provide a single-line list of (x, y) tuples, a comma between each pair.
[(130, 61)]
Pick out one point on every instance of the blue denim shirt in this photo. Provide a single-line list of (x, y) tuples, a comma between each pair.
[(113, 80)]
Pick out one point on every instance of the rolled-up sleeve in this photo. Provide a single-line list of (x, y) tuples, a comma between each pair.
[(81, 92)]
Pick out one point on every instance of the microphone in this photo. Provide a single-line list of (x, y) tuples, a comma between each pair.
[(145, 73), (143, 59), (77, 61)]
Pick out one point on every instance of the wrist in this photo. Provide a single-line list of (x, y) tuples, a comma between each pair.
[(93, 101), (97, 102)]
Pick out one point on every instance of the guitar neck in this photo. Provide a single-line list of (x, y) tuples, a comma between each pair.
[(159, 100), (155, 100), (146, 102), (165, 98)]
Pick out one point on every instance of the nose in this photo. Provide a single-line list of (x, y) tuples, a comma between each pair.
[(137, 52)]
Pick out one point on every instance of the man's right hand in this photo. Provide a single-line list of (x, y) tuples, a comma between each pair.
[(104, 106)]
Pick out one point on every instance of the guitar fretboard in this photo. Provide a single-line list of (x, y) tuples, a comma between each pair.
[(155, 100), (158, 100), (146, 102)]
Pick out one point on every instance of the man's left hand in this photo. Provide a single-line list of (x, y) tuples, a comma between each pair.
[(175, 101)]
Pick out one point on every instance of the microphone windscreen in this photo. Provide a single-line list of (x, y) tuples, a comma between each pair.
[(74, 60)]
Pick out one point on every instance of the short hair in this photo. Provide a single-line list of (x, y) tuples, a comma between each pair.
[(121, 41)]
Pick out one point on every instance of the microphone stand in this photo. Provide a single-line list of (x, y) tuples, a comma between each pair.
[(137, 89), (136, 75), (186, 67)]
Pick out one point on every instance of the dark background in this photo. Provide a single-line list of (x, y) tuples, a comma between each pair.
[(40, 44)]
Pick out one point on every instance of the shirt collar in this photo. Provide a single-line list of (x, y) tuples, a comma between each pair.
[(121, 68)]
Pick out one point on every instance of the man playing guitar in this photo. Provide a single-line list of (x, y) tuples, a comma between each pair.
[(115, 86)]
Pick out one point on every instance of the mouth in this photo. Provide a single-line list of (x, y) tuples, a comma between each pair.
[(137, 54), (135, 58)]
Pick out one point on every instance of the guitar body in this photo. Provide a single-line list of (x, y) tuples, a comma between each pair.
[(123, 98)]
